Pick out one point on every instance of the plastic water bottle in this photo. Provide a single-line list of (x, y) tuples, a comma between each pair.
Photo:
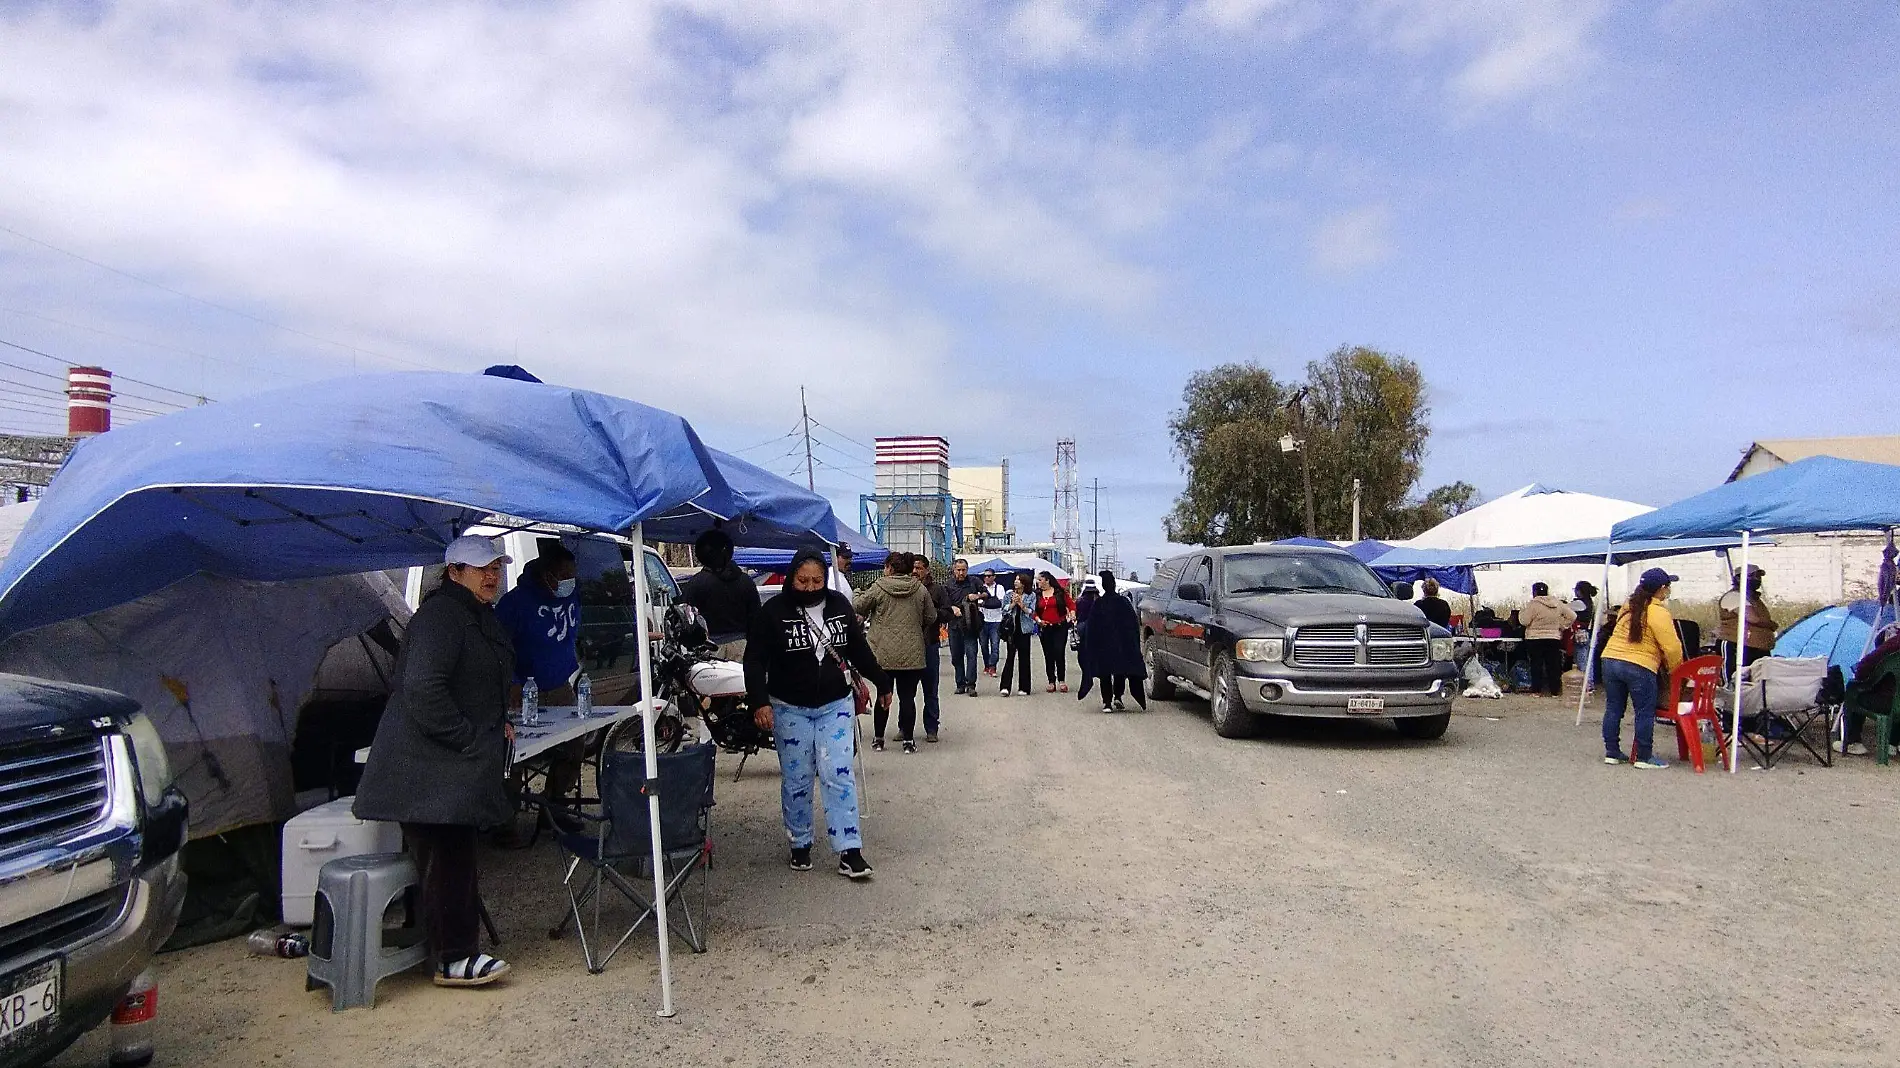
[(530, 703), (133, 1021), (277, 942), (584, 697)]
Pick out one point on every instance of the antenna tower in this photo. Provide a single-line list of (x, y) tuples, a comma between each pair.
[(1065, 523)]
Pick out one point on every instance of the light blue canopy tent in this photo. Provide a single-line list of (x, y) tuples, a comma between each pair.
[(1816, 495), (866, 555), (1585, 551), (1842, 632), (378, 472)]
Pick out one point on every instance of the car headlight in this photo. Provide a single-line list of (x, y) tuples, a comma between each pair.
[(1261, 650), (155, 768), (1441, 649)]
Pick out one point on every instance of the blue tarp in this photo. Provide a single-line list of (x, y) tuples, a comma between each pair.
[(1300, 540), (769, 511), (866, 555), (1585, 551), (358, 474), (1818, 494), (1839, 632), (1455, 579)]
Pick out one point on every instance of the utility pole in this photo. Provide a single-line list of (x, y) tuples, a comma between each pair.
[(804, 421), (1095, 532), (1288, 444), (1355, 510)]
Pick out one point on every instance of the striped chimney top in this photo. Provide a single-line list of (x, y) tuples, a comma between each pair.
[(88, 401), (913, 450)]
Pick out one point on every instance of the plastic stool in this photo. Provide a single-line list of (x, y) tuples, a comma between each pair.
[(347, 951)]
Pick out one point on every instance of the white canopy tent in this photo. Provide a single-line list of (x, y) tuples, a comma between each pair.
[(1531, 515)]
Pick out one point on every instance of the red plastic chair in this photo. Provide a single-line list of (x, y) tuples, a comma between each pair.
[(1702, 675)]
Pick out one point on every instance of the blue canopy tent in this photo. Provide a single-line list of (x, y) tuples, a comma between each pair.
[(1457, 579), (371, 473), (1843, 633), (866, 555), (1815, 495), (1302, 540)]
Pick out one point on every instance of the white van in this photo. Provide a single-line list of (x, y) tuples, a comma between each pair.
[(603, 568)]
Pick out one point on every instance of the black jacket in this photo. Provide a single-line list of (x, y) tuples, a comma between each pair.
[(954, 596), (726, 597), (441, 754), (781, 667), (1111, 643), (1437, 610)]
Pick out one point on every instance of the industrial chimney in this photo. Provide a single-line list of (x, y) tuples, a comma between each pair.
[(88, 401)]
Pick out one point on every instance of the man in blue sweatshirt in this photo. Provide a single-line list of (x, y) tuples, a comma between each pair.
[(542, 616)]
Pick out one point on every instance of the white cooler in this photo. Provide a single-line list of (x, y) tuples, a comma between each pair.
[(319, 836)]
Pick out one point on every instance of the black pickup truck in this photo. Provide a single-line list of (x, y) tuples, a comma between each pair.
[(91, 825), (1295, 631)]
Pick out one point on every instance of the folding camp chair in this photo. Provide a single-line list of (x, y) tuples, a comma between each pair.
[(1783, 699), (618, 844)]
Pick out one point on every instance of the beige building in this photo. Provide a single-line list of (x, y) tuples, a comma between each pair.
[(985, 495), (1768, 455)]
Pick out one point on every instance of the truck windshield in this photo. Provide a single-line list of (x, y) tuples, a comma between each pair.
[(1300, 573)]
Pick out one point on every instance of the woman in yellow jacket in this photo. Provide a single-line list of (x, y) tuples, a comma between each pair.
[(1642, 644)]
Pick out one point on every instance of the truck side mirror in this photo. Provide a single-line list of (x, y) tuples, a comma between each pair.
[(1402, 590), (1192, 591)]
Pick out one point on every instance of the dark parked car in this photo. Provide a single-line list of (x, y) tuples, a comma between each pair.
[(1295, 631), (90, 886)]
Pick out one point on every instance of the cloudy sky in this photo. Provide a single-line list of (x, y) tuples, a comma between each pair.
[(1622, 239)]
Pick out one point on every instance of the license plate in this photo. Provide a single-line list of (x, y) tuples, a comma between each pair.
[(1365, 706), (28, 998)]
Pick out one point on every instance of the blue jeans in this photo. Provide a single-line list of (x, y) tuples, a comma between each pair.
[(963, 656), (817, 741), (992, 644), (933, 654), (1626, 683)]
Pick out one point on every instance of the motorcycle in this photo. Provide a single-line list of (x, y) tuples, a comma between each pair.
[(696, 683)]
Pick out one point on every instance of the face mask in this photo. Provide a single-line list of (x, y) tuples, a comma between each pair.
[(805, 598), (564, 588)]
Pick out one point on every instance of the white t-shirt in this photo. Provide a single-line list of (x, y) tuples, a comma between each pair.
[(839, 582), (820, 637)]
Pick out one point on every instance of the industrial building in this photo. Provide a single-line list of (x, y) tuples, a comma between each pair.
[(913, 509)]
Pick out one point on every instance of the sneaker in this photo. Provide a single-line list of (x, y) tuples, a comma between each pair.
[(1119, 707), (1107, 709), (909, 746), (930, 736), (478, 970), (801, 858), (1856, 749), (1615, 758), (852, 865), (877, 745), (1650, 763), (1006, 691)]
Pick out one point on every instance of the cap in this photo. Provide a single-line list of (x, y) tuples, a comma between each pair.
[(843, 550), (474, 550), (1656, 578), (1755, 570)]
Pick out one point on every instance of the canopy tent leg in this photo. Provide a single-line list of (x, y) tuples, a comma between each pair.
[(649, 707), (1741, 628), (1590, 654)]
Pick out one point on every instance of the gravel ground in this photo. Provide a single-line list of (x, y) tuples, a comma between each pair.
[(1056, 886)]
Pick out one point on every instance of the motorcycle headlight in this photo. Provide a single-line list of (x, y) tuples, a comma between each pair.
[(1261, 650), (155, 769), (1441, 649)]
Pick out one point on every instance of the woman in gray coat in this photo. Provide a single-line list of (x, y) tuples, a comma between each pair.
[(439, 761)]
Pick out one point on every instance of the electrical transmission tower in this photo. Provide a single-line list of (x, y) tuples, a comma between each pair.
[(1065, 522)]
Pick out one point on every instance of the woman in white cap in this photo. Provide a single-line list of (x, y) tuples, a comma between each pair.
[(439, 762)]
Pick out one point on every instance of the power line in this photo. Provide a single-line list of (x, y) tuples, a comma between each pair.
[(846, 437), (153, 344), (213, 304), (792, 433), (115, 378)]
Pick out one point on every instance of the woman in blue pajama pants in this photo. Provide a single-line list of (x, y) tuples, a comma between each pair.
[(821, 739), (798, 688)]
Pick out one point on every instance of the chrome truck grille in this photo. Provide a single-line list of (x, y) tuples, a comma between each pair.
[(1359, 645), (50, 788)]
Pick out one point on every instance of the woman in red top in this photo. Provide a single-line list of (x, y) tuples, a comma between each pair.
[(1054, 613)]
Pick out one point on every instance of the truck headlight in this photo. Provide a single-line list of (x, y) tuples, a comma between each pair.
[(155, 768), (1261, 650), (1441, 649)]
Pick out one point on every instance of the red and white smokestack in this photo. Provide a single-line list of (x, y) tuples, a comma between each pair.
[(88, 400)]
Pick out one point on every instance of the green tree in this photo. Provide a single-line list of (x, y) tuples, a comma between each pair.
[(1362, 415)]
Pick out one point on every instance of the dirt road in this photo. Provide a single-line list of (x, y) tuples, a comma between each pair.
[(1056, 886)]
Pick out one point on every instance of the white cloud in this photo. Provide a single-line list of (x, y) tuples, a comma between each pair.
[(1503, 50), (1353, 240)]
